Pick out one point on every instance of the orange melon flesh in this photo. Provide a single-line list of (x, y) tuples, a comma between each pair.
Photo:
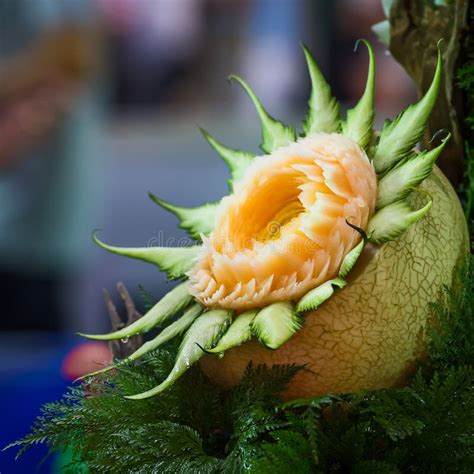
[(371, 333), (283, 231)]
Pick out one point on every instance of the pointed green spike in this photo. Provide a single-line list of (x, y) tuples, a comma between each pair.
[(399, 182), (400, 136), (316, 297), (350, 259), (203, 334), (171, 331), (393, 220), (175, 261), (239, 332), (174, 301), (195, 220), (274, 133), (276, 323), (382, 30), (360, 119), (237, 161), (323, 113), (387, 7)]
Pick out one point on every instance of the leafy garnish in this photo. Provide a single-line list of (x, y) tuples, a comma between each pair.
[(425, 427)]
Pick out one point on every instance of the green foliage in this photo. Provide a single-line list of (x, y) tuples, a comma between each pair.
[(467, 189), (465, 81), (465, 74), (426, 427), (452, 339), (148, 301)]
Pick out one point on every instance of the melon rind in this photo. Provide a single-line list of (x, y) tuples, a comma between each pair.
[(370, 334)]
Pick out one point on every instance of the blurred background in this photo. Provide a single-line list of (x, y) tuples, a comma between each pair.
[(99, 104)]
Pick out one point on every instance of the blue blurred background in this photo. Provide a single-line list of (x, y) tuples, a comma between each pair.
[(99, 104)]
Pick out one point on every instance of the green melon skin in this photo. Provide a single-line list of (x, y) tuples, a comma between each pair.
[(370, 334)]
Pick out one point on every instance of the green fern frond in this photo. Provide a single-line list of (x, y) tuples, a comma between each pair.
[(425, 427)]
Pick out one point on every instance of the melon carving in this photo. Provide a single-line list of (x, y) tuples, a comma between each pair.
[(328, 251)]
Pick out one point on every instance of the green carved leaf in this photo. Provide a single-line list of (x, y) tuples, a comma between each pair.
[(323, 113), (195, 220), (274, 133)]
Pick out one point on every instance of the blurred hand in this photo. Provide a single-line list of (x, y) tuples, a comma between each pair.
[(27, 120), (38, 86)]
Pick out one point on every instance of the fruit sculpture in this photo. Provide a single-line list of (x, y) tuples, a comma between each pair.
[(328, 252)]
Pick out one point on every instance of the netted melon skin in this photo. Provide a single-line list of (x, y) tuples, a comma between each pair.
[(370, 334)]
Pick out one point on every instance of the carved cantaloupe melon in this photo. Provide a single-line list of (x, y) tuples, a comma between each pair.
[(277, 257), (371, 333)]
